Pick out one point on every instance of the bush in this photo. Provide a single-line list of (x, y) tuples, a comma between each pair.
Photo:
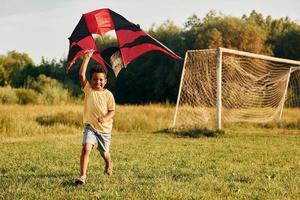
[(8, 95), (54, 95), (50, 90), (26, 96)]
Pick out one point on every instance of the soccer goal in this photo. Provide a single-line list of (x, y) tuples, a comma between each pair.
[(223, 85)]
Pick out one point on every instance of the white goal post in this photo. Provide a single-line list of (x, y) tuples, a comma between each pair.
[(225, 85)]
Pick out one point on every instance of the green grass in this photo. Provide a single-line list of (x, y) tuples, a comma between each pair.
[(39, 159)]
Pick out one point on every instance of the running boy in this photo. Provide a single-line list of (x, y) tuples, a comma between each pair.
[(99, 109)]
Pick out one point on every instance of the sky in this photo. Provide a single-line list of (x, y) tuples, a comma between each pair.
[(41, 28)]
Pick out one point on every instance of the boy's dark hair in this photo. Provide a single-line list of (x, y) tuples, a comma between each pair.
[(98, 69)]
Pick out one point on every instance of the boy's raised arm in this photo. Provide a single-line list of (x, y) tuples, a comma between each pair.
[(82, 71)]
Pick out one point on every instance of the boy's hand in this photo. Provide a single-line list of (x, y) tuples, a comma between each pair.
[(102, 119), (88, 54), (107, 117)]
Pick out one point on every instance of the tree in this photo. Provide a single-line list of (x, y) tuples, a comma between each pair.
[(246, 34), (255, 18), (11, 66), (288, 45), (3, 76)]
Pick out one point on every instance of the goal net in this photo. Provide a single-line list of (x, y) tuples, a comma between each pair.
[(224, 85)]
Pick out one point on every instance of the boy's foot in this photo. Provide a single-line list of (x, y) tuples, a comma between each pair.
[(108, 168), (80, 180)]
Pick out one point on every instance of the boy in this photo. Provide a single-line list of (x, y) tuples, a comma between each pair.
[(99, 109)]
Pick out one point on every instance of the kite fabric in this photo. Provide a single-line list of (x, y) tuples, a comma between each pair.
[(132, 40)]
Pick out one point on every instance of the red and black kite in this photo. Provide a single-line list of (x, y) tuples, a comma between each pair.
[(132, 40)]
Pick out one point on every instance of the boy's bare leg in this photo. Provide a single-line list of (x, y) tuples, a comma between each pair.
[(108, 163), (84, 158)]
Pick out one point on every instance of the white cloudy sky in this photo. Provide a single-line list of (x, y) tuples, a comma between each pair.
[(41, 27)]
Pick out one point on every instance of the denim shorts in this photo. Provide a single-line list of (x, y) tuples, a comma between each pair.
[(92, 136)]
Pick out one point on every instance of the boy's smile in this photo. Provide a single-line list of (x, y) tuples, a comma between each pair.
[(98, 81)]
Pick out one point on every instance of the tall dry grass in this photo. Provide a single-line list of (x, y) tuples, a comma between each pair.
[(30, 120), (23, 120)]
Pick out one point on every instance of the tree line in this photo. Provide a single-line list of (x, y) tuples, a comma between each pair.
[(155, 77)]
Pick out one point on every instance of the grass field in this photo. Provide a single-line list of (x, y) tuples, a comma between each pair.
[(41, 147)]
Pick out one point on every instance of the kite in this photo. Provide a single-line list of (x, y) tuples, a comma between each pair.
[(132, 40)]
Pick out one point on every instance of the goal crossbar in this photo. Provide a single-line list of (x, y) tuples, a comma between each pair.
[(253, 55)]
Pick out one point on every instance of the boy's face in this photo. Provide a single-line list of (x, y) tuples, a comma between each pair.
[(98, 81)]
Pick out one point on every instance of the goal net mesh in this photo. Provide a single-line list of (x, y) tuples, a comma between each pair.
[(252, 89)]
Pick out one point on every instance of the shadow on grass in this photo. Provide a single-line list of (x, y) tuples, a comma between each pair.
[(194, 133), (45, 121), (64, 179), (69, 183), (42, 181), (68, 118)]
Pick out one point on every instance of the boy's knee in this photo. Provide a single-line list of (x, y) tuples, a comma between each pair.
[(87, 148), (105, 155)]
